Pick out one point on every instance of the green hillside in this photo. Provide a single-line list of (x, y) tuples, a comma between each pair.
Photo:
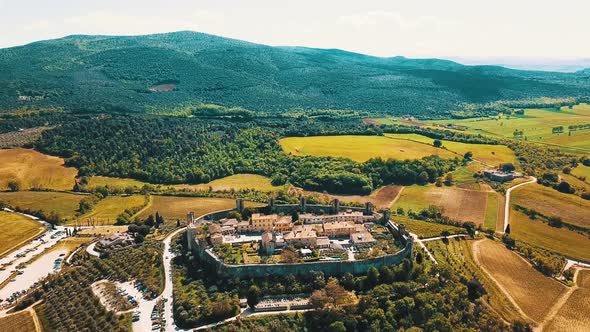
[(103, 73)]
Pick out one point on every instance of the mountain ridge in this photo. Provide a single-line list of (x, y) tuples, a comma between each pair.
[(93, 72)]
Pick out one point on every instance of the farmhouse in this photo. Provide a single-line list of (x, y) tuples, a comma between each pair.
[(116, 240), (501, 176)]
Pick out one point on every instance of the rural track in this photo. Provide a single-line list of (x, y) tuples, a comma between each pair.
[(507, 202)]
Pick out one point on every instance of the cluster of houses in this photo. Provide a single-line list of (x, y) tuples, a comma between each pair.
[(311, 231)]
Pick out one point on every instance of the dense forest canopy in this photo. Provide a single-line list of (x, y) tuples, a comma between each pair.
[(156, 73), (166, 149)]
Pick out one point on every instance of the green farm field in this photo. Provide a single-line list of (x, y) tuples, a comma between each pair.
[(64, 204), (395, 146), (537, 126), (16, 229)]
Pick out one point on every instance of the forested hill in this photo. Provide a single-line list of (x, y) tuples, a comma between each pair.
[(103, 73)]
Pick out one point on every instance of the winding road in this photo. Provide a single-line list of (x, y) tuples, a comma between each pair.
[(507, 204)]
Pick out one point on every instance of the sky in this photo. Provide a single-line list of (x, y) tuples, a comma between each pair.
[(540, 29)]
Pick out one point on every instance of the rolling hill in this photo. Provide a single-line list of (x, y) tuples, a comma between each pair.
[(170, 71)]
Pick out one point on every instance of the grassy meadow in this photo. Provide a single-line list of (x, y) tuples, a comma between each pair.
[(106, 211), (582, 171), (64, 204), (16, 229), (559, 240), (426, 229), (120, 183), (32, 169)]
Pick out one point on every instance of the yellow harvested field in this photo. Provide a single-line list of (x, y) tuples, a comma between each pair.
[(22, 321), (32, 169), (63, 204), (575, 314), (550, 202), (458, 204), (173, 207), (559, 240), (16, 230), (360, 148), (381, 198), (120, 183), (106, 211), (233, 182), (487, 153), (394, 146), (532, 291)]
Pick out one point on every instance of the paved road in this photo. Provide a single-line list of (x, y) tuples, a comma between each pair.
[(507, 205), (91, 251), (145, 307)]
